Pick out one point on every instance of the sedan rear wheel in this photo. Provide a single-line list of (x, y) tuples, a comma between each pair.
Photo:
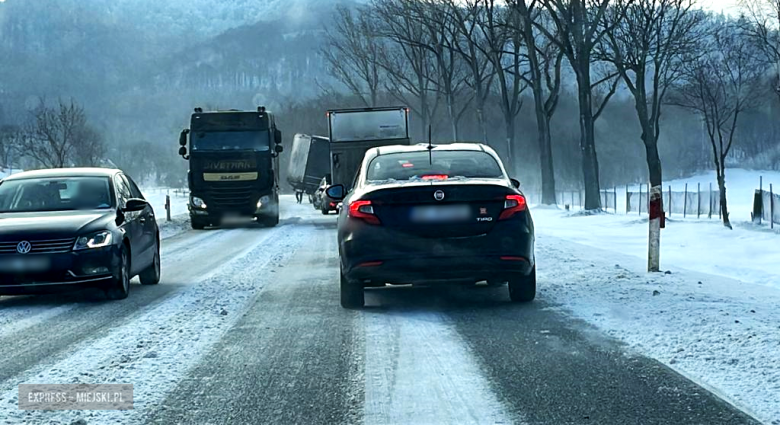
[(523, 288), (120, 283), (352, 294)]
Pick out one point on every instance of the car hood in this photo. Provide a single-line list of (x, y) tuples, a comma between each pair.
[(53, 225)]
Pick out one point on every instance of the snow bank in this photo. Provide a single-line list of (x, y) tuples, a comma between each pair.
[(718, 332)]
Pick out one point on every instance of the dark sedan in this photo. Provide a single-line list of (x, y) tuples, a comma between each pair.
[(428, 214), (63, 229)]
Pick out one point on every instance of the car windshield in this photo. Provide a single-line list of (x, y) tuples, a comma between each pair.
[(230, 140), (442, 164), (55, 194)]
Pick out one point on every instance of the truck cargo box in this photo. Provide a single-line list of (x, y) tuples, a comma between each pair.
[(309, 162)]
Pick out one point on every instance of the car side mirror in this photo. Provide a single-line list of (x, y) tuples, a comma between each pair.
[(183, 137), (515, 183), (278, 137), (278, 148), (134, 204), (183, 151), (335, 192)]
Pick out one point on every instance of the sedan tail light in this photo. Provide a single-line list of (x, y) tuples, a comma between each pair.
[(363, 210), (513, 204)]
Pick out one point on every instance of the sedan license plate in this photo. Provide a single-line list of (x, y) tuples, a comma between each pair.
[(440, 213), (24, 264)]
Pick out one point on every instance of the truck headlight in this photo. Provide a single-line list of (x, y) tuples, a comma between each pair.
[(264, 200), (197, 202), (96, 240)]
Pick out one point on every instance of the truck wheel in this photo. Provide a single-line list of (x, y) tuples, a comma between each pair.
[(522, 289), (268, 221), (352, 293), (197, 224)]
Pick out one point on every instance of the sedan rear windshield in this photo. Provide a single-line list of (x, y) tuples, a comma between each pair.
[(438, 165), (55, 194)]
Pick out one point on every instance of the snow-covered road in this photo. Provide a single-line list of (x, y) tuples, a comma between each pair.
[(245, 327)]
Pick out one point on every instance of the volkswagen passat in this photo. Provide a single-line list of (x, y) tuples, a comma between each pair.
[(427, 214), (69, 228)]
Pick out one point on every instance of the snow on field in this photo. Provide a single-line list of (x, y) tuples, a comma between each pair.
[(719, 332), (718, 328), (156, 349)]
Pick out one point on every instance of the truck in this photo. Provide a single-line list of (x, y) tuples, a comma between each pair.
[(354, 131), (309, 163), (233, 166)]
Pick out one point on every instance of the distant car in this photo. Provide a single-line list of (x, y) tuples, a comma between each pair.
[(322, 201), (81, 227), (418, 216)]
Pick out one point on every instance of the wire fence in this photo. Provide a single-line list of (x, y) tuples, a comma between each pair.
[(766, 206), (686, 202)]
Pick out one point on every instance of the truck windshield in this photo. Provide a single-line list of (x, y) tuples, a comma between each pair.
[(368, 125), (230, 140)]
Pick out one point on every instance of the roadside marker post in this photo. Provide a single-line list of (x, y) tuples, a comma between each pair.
[(168, 207)]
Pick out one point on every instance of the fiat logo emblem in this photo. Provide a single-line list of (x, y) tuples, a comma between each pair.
[(438, 195), (23, 247)]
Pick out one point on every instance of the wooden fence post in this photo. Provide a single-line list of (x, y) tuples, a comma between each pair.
[(572, 200), (670, 201), (685, 200), (698, 200), (627, 206), (614, 201), (709, 214), (640, 199), (771, 207)]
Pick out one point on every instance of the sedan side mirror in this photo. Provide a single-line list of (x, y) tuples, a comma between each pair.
[(134, 204), (335, 192), (515, 183)]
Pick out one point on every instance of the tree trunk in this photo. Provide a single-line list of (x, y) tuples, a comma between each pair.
[(724, 210), (546, 159), (510, 142), (590, 166), (482, 125), (451, 114)]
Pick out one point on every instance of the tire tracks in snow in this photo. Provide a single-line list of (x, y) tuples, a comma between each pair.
[(156, 348)]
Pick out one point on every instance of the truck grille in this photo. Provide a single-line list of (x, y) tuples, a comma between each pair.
[(41, 246), (230, 196)]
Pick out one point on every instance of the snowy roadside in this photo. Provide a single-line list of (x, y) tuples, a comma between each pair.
[(155, 350), (718, 332), (179, 218)]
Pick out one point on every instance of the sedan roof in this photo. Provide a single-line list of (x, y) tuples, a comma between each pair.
[(64, 172), (423, 147)]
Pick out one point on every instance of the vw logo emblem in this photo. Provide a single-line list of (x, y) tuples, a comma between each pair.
[(23, 247), (438, 195)]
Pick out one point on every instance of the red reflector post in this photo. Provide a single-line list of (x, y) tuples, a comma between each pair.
[(513, 204)]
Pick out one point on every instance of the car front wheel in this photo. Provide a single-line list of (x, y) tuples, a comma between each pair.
[(119, 286), (523, 288), (151, 276), (352, 294)]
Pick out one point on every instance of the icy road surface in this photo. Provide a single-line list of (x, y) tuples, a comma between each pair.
[(245, 328)]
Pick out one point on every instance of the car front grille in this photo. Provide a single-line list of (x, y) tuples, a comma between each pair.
[(41, 246)]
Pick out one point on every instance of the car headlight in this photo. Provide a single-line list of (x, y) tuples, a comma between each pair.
[(97, 240), (197, 202)]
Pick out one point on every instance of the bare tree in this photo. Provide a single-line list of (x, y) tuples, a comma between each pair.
[(407, 59), (502, 46), (431, 15), (544, 77), (468, 43), (648, 45), (353, 53), (719, 87), (763, 25), (59, 136), (580, 28), (11, 137)]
